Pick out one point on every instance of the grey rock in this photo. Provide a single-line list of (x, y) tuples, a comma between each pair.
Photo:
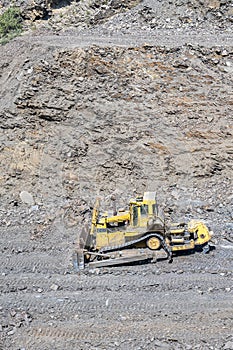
[(225, 53), (12, 332), (54, 287), (228, 346), (26, 197)]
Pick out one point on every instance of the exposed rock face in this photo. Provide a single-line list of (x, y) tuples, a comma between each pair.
[(30, 9), (148, 14), (85, 13), (89, 120)]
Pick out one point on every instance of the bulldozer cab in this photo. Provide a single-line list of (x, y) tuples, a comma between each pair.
[(143, 208)]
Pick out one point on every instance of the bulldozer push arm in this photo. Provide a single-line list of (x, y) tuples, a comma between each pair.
[(95, 215), (203, 235)]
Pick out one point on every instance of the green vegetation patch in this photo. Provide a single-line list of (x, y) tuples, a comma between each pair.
[(10, 24)]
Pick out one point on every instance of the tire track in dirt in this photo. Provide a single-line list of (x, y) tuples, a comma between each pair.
[(171, 281), (93, 333), (160, 37), (33, 262), (72, 303)]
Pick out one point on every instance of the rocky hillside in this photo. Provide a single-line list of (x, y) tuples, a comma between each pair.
[(62, 14), (80, 122), (102, 116), (102, 98)]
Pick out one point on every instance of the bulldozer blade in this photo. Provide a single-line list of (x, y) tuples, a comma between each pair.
[(75, 261), (83, 236), (117, 261), (153, 256)]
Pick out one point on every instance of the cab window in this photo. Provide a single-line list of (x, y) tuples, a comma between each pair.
[(144, 210), (135, 216)]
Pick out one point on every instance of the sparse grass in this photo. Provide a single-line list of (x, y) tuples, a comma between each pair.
[(10, 24)]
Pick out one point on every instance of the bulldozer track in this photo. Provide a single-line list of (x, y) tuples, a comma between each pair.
[(31, 263), (100, 334), (141, 239), (20, 246), (70, 304)]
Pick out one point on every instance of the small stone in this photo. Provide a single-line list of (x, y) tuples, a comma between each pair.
[(26, 197), (225, 53), (11, 332), (54, 287), (13, 313), (210, 118), (228, 69), (228, 346), (34, 208), (214, 4), (188, 347)]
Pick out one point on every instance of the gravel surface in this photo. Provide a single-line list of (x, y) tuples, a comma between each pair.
[(44, 305)]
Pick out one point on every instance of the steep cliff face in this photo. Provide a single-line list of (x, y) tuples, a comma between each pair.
[(123, 106), (78, 122)]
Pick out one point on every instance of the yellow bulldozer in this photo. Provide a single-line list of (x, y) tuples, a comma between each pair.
[(136, 234)]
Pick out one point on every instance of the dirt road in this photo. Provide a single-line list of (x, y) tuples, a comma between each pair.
[(44, 305)]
